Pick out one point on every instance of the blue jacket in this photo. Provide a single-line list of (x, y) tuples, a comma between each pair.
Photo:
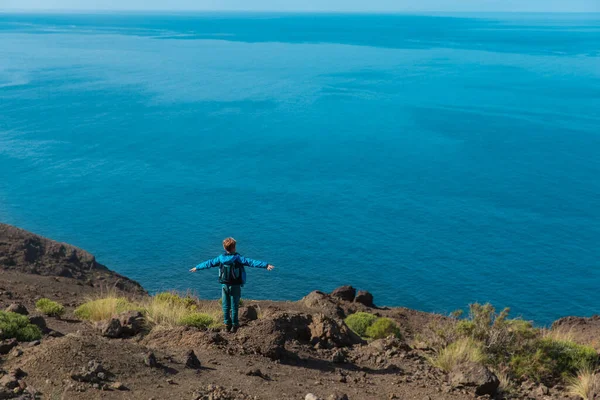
[(227, 259)]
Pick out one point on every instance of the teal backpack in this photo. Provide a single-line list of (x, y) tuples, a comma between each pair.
[(232, 274)]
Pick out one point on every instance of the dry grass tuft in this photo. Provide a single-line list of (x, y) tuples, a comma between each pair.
[(560, 334), (506, 384), (103, 308), (463, 350), (164, 310), (584, 385)]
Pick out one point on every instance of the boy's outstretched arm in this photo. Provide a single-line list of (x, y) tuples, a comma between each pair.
[(248, 262), (215, 262)]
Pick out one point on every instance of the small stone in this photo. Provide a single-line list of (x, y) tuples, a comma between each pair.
[(17, 372), (248, 313), (170, 381), (112, 328), (16, 352), (150, 360), (9, 381), (7, 345), (17, 308), (118, 386), (132, 322), (338, 357), (38, 321), (311, 396), (191, 361), (365, 298), (254, 372), (338, 397)]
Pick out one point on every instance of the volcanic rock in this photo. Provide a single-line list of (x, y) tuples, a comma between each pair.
[(365, 298), (474, 375), (345, 293)]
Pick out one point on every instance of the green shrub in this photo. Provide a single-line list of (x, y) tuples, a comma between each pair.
[(101, 309), (360, 321), (382, 328), (501, 337), (549, 360), (49, 307), (197, 320), (17, 326)]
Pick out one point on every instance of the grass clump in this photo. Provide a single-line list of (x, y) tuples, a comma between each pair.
[(461, 351), (17, 326), (382, 328), (50, 308), (506, 385), (360, 322), (104, 308), (197, 320), (549, 360), (175, 299), (585, 384), (165, 311), (169, 309)]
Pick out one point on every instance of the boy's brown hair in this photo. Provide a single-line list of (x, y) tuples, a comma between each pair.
[(229, 244)]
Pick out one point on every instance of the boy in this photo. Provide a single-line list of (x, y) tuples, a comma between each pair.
[(232, 277)]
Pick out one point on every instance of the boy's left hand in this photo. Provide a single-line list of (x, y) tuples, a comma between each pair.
[(270, 267), (193, 269)]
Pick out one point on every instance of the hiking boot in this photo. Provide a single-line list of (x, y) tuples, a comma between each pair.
[(227, 328), (235, 329)]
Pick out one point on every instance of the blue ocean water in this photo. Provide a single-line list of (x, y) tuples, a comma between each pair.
[(433, 160)]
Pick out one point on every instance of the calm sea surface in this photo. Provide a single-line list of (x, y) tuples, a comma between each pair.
[(433, 160)]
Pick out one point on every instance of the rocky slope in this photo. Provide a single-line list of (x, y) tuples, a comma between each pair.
[(25, 252), (284, 350)]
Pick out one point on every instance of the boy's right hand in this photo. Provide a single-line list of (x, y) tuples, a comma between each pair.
[(193, 269), (270, 267)]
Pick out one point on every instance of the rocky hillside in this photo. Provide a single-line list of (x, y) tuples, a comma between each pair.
[(283, 350), (22, 251)]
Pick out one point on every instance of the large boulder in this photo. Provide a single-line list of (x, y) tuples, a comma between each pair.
[(365, 298), (326, 332), (474, 375), (269, 334), (345, 293), (322, 303)]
